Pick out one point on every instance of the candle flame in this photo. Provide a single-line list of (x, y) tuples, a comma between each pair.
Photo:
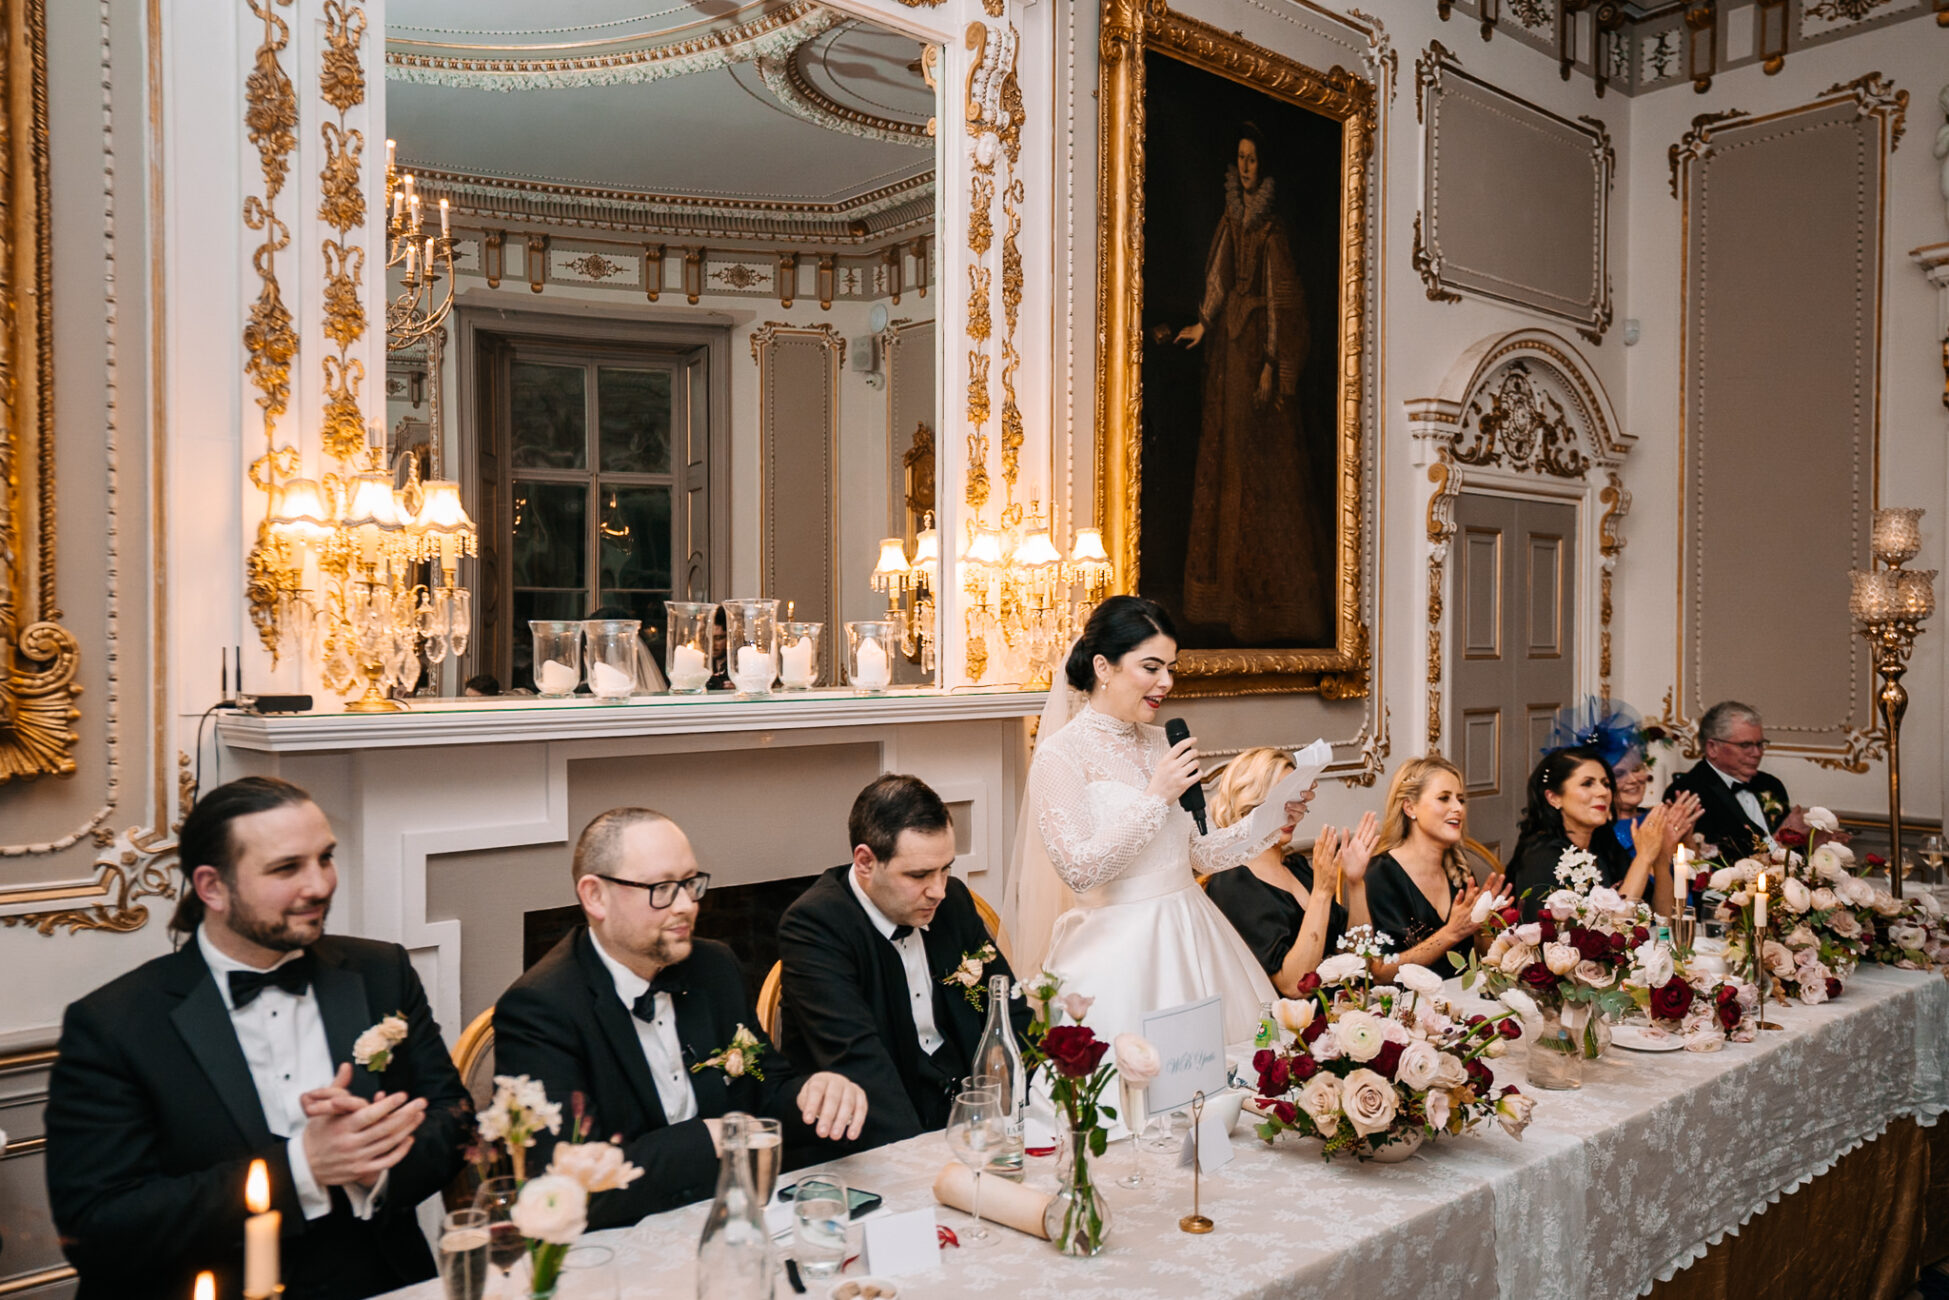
[(1762, 882), (257, 1188), (206, 1286)]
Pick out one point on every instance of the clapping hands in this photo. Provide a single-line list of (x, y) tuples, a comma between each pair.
[(1339, 854)]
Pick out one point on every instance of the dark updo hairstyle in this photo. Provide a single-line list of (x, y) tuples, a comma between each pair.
[(1119, 625), (205, 839), (1550, 776)]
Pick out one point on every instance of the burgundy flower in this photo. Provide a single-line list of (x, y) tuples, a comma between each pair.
[(1275, 1078), (1314, 1030), (1619, 943), (1591, 945), (1727, 993), (1789, 839), (1386, 1060), (1833, 987), (1481, 1076), (1671, 1000), (1729, 1014), (1509, 1028), (1547, 924), (1511, 916), (1261, 1059), (1309, 984), (1701, 882), (1537, 975), (1638, 936), (1286, 1111), (1304, 1067), (1074, 1050), (1875, 860)]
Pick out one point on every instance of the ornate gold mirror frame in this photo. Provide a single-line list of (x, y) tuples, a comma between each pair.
[(38, 657), (1130, 28)]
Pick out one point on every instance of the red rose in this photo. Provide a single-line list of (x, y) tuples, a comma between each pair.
[(1729, 1014), (1537, 975), (1591, 945), (1074, 1050), (1701, 882), (1287, 1112), (1789, 839), (1309, 984), (1547, 924), (1727, 993), (1511, 916), (1671, 1000), (1876, 860), (1276, 1077), (1304, 1067), (1481, 1076), (1313, 1030), (1638, 936), (1509, 1028), (1386, 1060), (1833, 987)]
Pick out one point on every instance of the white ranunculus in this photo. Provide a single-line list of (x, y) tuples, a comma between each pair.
[(1654, 963), (1341, 967), (1369, 1101), (1520, 1002), (1484, 904), (552, 1208), (598, 1166), (1436, 1107), (1518, 959), (1137, 1060), (1418, 979), (1858, 892), (1928, 903), (1887, 904), (1419, 1067), (1606, 899), (1723, 879), (1797, 896), (1450, 1072), (1561, 958), (1825, 899), (1361, 1035), (1821, 820), (1294, 1014), (1319, 1097), (1562, 904), (1907, 936), (1326, 1048), (1828, 863), (1530, 933), (1396, 1031), (1845, 924)]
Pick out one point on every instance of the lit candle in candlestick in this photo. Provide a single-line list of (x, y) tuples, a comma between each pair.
[(427, 262), (689, 669), (392, 153), (206, 1287), (797, 662), (1681, 877), (260, 1234), (446, 221), (1759, 907), (399, 204)]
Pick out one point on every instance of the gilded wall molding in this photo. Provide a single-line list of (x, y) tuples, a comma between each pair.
[(341, 205), (38, 656), (785, 79), (1610, 540)]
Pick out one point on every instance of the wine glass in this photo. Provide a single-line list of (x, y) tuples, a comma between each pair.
[(505, 1244), (1932, 853), (974, 1125)]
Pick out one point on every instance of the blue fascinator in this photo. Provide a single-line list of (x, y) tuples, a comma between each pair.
[(1611, 727)]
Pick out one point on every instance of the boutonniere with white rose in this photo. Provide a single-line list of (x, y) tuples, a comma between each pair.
[(1770, 805), (374, 1048), (737, 1058), (969, 975)]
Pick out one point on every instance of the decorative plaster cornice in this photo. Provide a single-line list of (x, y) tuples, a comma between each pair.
[(787, 83)]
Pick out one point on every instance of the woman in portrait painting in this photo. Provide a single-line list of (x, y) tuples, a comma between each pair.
[(1256, 564)]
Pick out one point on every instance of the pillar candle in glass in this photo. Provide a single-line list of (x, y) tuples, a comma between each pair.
[(870, 646), (798, 655), (751, 643), (689, 625), (611, 644), (558, 656), (260, 1234)]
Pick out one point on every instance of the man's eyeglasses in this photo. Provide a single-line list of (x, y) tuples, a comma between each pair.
[(664, 892), (1744, 746)]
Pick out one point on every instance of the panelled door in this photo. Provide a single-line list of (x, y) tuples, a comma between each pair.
[(1513, 637)]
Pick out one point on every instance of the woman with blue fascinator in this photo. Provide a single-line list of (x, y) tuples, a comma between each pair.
[(1613, 730)]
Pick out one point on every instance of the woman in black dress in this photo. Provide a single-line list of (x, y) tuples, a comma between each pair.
[(1420, 891), (1571, 795), (1285, 912)]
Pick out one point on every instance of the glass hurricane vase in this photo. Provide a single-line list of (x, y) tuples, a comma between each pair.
[(1556, 1059), (1078, 1219)]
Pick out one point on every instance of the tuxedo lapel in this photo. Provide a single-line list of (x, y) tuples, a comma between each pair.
[(342, 1005), (952, 1010), (204, 1023), (702, 1036), (619, 1027)]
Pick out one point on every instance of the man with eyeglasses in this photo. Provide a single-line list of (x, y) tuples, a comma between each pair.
[(1743, 805), (643, 1020)]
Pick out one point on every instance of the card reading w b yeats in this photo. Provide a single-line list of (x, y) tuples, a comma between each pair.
[(1242, 278)]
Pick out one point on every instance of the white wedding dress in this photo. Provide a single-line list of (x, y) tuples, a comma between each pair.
[(1140, 934)]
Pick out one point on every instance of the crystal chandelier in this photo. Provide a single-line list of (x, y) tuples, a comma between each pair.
[(909, 586), (1026, 592)]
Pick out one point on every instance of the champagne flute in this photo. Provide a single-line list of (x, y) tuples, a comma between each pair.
[(763, 1145), (505, 1244), (1932, 853), (463, 1254), (974, 1124), (1135, 1118)]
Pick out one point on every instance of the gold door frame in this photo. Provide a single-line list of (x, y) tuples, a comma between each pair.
[(38, 657), (1129, 29)]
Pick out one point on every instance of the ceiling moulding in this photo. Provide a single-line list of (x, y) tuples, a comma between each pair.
[(887, 214), (788, 84), (650, 56)]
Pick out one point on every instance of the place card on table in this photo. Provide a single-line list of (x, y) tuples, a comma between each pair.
[(893, 1245), (1190, 1043), (1214, 1146)]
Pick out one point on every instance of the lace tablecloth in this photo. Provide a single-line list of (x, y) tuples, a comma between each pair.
[(1617, 1185)]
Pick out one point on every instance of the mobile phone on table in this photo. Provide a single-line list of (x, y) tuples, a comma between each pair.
[(859, 1203)]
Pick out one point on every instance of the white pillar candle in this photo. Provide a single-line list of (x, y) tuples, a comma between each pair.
[(754, 669), (609, 682), (689, 670), (872, 673), (1759, 907), (555, 678), (797, 660), (260, 1234)]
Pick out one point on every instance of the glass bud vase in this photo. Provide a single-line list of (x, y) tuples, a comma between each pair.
[(1556, 1059), (1078, 1219)]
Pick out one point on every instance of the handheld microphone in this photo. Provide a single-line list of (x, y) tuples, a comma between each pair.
[(1176, 730)]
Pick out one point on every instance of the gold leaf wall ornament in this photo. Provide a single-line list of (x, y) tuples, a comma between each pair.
[(978, 408), (980, 323), (341, 77), (341, 203), (341, 81), (344, 304), (137, 862), (981, 198), (343, 428)]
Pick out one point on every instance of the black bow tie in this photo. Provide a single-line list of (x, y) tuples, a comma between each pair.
[(900, 932), (1742, 787), (294, 977), (668, 980)]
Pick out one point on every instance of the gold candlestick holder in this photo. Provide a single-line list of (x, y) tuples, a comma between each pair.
[(1762, 979), (1891, 604), (1195, 1221)]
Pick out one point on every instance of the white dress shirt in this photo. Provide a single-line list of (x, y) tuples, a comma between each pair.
[(661, 1046), (913, 957), (1749, 803), (283, 1039)]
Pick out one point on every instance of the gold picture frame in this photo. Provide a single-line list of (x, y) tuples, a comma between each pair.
[(1130, 30), (38, 657)]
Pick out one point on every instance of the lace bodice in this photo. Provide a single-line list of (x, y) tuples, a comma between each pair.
[(1087, 795)]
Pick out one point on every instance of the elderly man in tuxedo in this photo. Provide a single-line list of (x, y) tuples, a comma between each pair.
[(1743, 806), (239, 1046), (867, 952), (638, 1016)]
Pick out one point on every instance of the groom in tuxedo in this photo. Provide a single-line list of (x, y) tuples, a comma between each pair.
[(637, 1016), (1743, 806), (239, 1046), (866, 953)]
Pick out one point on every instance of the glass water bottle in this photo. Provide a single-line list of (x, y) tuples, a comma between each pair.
[(998, 1064), (734, 1258)]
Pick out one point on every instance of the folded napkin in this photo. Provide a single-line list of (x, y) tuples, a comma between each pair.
[(1009, 1204)]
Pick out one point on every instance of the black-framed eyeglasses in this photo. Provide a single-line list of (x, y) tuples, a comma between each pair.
[(1744, 746), (664, 892)]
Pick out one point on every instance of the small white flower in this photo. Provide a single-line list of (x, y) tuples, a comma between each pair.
[(1519, 1002), (1419, 1067), (1419, 979), (552, 1208), (1341, 967), (1821, 820)]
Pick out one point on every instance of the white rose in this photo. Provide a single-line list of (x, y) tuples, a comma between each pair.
[(1801, 936), (1595, 974), (1724, 879), (1294, 1014), (1655, 964), (1419, 979), (1561, 958), (1825, 899), (1420, 1066), (1518, 959), (1436, 1106), (1562, 904), (552, 1208), (1513, 1113), (1137, 1060), (1797, 896), (1606, 899), (1361, 1035), (1813, 987), (1821, 820), (1520, 1002), (598, 1166), (1319, 1097), (1450, 1072), (376, 1043), (1845, 924), (1326, 1048), (1341, 967), (1778, 957), (1530, 934), (1369, 1101)]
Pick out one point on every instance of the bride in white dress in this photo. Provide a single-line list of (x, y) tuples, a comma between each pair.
[(1103, 837)]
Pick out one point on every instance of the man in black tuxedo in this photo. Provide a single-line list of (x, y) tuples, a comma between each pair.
[(629, 1009), (1743, 806), (866, 952), (238, 1047)]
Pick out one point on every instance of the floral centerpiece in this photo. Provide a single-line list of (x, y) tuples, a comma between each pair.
[(1376, 1069), (1814, 936), (1077, 1220), (1915, 937), (1571, 961), (552, 1211), (1702, 1006)]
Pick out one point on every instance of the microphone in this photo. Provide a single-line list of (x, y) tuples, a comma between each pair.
[(1176, 730)]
